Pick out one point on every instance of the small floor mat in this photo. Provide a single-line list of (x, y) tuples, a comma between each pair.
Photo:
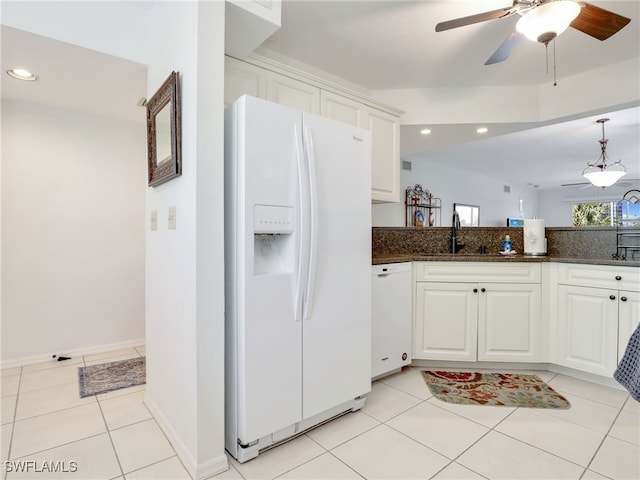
[(502, 389), (107, 377)]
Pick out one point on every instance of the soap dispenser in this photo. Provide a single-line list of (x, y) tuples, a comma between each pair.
[(506, 245)]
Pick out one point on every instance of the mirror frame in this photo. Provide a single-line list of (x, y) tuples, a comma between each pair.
[(476, 207), (168, 95)]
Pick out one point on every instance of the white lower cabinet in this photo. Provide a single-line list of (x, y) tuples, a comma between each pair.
[(480, 320), (446, 321), (628, 319), (598, 308), (587, 329), (509, 322)]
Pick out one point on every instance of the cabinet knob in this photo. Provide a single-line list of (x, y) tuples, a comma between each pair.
[(475, 290), (612, 297), (618, 277), (624, 299), (483, 290)]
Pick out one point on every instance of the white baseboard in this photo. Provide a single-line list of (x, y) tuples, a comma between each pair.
[(197, 471), (77, 352)]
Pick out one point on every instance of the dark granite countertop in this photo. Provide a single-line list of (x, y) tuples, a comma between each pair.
[(461, 257)]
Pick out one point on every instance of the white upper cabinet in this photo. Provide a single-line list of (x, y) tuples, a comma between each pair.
[(342, 109), (293, 93), (241, 78), (264, 78), (248, 23), (385, 139)]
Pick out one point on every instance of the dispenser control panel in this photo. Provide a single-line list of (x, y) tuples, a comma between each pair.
[(273, 219)]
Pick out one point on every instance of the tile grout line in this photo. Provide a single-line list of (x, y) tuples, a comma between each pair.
[(13, 421), (106, 426), (606, 435)]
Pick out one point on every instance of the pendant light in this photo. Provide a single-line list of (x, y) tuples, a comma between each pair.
[(603, 173)]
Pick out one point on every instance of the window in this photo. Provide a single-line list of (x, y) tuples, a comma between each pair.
[(606, 214)]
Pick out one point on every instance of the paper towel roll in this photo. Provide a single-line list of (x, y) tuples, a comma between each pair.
[(534, 241)]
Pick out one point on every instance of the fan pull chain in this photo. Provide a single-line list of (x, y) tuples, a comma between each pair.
[(554, 64), (546, 48), (546, 56)]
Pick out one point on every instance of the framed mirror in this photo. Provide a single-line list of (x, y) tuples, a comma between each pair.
[(163, 132), (469, 214)]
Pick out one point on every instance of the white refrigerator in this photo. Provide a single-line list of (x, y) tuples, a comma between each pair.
[(297, 272)]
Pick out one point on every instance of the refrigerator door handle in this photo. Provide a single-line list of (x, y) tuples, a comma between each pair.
[(304, 225), (313, 214)]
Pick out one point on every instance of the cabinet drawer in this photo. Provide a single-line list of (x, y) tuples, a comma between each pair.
[(477, 272), (619, 278)]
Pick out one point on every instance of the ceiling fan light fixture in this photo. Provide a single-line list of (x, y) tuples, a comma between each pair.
[(544, 23), (603, 173)]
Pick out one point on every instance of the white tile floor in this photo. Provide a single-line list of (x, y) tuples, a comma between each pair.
[(402, 432)]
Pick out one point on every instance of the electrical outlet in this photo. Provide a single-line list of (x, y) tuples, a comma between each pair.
[(172, 218), (154, 220)]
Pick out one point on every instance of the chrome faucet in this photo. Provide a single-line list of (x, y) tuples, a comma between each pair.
[(455, 226)]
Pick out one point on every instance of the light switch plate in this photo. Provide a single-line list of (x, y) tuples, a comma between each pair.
[(172, 218), (154, 220)]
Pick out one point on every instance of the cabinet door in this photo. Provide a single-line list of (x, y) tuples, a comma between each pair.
[(293, 93), (628, 318), (385, 139), (509, 322), (587, 329), (241, 78), (342, 109), (446, 321)]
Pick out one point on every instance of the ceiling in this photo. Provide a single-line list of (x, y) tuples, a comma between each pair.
[(72, 77), (384, 45), (393, 45)]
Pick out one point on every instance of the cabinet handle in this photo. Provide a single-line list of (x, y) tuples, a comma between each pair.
[(618, 277), (475, 290), (612, 297), (483, 290), (624, 299)]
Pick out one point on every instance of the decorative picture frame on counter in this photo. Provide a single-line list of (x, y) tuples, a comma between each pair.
[(164, 152)]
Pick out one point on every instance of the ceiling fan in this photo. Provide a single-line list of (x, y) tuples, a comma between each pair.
[(543, 20)]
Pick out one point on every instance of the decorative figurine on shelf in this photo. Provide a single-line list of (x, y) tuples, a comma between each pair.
[(419, 220)]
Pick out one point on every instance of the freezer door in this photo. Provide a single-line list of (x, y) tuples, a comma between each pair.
[(268, 336), (337, 311)]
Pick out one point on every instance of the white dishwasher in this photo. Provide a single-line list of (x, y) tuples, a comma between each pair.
[(391, 322)]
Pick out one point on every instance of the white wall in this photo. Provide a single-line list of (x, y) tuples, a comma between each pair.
[(72, 232), (453, 185), (184, 267)]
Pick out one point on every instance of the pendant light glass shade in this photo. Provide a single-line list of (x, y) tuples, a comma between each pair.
[(604, 177), (544, 23), (603, 173)]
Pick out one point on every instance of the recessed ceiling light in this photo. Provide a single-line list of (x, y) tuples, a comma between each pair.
[(22, 74), (482, 130), (425, 131)]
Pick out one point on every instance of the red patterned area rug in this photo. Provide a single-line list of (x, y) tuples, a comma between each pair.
[(504, 389)]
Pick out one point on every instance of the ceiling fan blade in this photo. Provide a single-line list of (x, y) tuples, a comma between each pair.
[(471, 19), (507, 47), (598, 22), (576, 184)]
